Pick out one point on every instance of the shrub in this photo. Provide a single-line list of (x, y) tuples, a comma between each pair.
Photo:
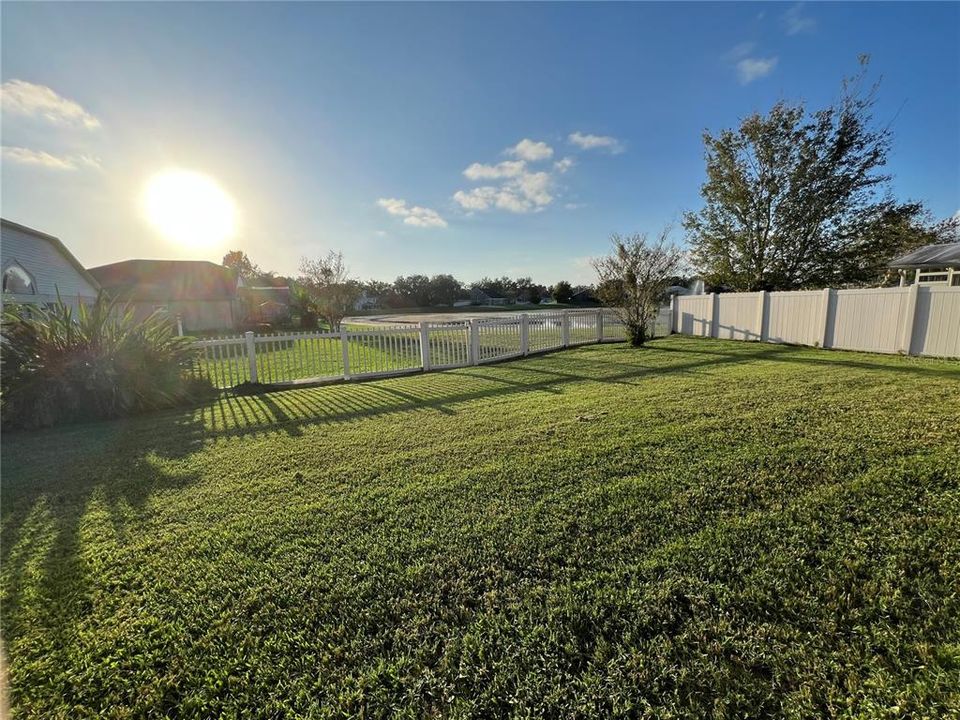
[(63, 365), (632, 280)]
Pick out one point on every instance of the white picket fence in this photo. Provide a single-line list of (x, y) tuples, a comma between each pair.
[(914, 320), (372, 352)]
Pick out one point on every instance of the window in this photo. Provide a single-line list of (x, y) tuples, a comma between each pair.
[(17, 281)]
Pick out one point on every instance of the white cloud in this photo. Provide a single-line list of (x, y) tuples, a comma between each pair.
[(505, 169), (530, 150), (585, 141), (38, 101), (796, 22), (481, 198), (529, 192), (750, 69), (535, 188), (39, 158), (740, 50), (518, 188), (412, 214)]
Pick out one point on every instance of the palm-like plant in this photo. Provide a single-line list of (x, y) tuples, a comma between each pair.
[(61, 364)]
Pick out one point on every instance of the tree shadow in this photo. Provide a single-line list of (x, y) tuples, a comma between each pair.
[(51, 480)]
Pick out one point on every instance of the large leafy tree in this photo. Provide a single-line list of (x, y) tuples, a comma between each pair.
[(412, 290), (788, 193), (444, 290), (562, 292), (238, 261)]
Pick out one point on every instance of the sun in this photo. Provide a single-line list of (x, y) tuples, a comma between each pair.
[(189, 208)]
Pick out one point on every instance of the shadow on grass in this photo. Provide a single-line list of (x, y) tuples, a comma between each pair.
[(291, 411), (802, 355), (50, 478)]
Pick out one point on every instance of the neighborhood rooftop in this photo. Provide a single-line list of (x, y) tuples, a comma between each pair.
[(946, 255), (167, 279)]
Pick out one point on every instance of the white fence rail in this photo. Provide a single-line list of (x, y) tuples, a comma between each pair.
[(393, 350), (914, 320)]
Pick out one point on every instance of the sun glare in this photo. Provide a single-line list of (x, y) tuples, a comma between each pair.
[(189, 208)]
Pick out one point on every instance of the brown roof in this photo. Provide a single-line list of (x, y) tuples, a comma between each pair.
[(167, 280)]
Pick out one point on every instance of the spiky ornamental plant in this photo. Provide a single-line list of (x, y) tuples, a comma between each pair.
[(95, 362)]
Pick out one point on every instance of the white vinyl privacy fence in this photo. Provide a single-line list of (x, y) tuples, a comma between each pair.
[(371, 351), (914, 320)]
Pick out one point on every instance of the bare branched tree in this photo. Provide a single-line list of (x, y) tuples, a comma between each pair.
[(328, 283), (634, 277)]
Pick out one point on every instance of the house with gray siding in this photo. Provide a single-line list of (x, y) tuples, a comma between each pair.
[(37, 266)]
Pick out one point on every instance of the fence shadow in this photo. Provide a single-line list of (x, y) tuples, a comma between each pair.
[(51, 478), (805, 355)]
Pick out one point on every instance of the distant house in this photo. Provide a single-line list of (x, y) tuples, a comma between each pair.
[(931, 265), (585, 296), (265, 303), (485, 296), (202, 294), (696, 287), (366, 302), (36, 267)]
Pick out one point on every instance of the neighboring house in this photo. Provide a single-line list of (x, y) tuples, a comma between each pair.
[(584, 297), (202, 294), (931, 265), (36, 267), (696, 287), (366, 302), (485, 296), (265, 304)]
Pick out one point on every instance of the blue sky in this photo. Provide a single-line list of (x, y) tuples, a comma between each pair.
[(319, 119)]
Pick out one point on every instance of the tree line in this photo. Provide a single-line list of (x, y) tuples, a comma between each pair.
[(324, 288), (794, 198)]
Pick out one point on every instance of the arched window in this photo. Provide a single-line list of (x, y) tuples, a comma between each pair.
[(17, 281)]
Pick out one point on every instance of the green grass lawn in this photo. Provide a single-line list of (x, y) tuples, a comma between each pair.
[(696, 529)]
